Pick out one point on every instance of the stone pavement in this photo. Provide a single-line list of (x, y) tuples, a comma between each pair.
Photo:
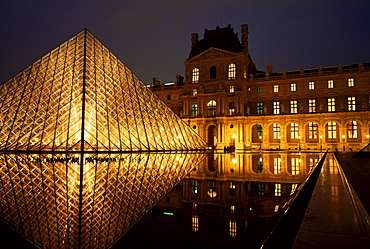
[(335, 217)]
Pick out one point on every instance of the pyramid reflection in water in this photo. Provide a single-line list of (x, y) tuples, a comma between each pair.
[(80, 97), (85, 200)]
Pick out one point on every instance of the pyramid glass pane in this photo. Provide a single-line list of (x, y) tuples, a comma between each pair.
[(80, 97)]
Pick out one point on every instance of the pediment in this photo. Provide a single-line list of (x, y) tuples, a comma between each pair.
[(213, 53)]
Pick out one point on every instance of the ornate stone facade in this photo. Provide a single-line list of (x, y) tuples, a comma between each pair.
[(229, 103)]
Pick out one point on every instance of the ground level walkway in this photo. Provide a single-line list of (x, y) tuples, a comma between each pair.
[(337, 215)]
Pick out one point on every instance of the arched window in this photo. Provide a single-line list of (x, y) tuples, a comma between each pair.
[(211, 108), (332, 130), (352, 129), (232, 71), (232, 227), (275, 131), (312, 130), (195, 75), (212, 72), (294, 131), (195, 222)]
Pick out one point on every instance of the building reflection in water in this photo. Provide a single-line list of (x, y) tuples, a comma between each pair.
[(228, 201), (85, 200)]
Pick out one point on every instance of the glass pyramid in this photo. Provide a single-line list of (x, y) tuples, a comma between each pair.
[(80, 97), (85, 200)]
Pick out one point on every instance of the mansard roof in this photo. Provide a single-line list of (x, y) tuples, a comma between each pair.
[(223, 38)]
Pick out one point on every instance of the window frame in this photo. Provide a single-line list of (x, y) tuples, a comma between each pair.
[(195, 75), (293, 87), (276, 107), (231, 72), (311, 85)]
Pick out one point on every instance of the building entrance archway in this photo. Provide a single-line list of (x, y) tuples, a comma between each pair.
[(212, 136)]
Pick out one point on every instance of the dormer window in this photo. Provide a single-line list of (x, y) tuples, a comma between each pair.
[(232, 71), (195, 75)]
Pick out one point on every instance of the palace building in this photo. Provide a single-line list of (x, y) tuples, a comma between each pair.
[(228, 102)]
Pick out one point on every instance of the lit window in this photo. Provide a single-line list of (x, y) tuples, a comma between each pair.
[(260, 165), (232, 71), (331, 104), (332, 130), (276, 88), (232, 89), (232, 188), (276, 107), (259, 108), (277, 189), (259, 89), (293, 87), (194, 186), (195, 77), (232, 209), (231, 108), (293, 106), (211, 108), (313, 162), (352, 129), (351, 103), (194, 110), (312, 130), (351, 82), (276, 131), (195, 222), (232, 227), (261, 188), (259, 130), (293, 131), (311, 105), (330, 83), (276, 208), (311, 85), (277, 165), (294, 188), (195, 91), (212, 189), (295, 165)]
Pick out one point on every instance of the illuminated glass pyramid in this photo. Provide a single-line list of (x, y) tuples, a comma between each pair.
[(80, 97), (84, 200)]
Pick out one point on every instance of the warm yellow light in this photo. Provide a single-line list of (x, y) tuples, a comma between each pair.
[(233, 160), (233, 136), (320, 136), (367, 136), (260, 137), (343, 136)]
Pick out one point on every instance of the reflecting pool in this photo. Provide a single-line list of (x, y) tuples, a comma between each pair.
[(227, 201)]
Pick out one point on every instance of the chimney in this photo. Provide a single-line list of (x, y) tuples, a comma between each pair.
[(179, 80), (269, 68), (245, 38), (194, 40)]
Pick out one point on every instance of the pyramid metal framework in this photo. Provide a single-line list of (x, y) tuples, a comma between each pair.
[(80, 97), (85, 200)]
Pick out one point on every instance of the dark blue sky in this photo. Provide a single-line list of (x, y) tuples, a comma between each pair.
[(153, 37)]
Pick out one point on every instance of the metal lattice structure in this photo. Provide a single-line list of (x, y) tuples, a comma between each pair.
[(84, 200), (80, 97)]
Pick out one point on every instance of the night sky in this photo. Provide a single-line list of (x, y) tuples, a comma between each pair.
[(153, 38)]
